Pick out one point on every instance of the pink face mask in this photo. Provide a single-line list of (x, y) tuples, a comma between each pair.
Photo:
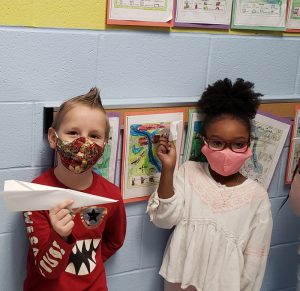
[(225, 162)]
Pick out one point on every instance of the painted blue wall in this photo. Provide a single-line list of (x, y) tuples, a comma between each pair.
[(39, 67)]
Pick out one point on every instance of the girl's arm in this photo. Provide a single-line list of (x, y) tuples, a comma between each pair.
[(166, 152), (295, 194), (165, 208), (256, 252)]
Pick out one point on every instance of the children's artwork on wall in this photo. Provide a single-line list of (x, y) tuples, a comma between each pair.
[(141, 167), (193, 140), (270, 133), (294, 152), (140, 12), (106, 165), (203, 13), (259, 14), (293, 16)]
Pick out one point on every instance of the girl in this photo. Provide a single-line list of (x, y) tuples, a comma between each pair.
[(222, 219), (68, 250)]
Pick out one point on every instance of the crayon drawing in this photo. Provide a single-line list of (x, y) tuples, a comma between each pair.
[(269, 135), (140, 165), (106, 165), (194, 142)]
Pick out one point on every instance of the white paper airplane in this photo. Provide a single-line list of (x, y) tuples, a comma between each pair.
[(24, 196)]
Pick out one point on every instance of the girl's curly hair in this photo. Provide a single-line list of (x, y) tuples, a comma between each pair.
[(237, 99)]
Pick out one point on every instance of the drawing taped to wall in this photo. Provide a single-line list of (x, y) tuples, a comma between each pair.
[(259, 14), (199, 13), (293, 16), (269, 135), (193, 139), (140, 12), (140, 165), (106, 165)]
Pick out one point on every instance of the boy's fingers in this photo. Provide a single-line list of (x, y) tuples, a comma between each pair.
[(62, 213), (57, 208), (69, 226), (65, 220)]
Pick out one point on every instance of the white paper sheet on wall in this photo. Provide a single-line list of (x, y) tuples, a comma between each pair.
[(140, 10), (208, 12), (24, 196)]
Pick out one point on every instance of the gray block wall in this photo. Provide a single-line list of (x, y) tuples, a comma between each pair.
[(39, 67)]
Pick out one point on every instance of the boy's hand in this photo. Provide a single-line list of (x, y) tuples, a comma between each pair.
[(62, 219), (166, 152)]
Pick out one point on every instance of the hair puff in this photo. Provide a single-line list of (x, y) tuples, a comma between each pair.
[(237, 99)]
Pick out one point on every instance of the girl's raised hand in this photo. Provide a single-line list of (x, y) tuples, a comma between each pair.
[(61, 218), (166, 152)]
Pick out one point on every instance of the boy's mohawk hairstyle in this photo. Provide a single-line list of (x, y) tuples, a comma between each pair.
[(92, 98)]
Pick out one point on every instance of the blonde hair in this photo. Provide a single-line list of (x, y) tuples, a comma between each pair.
[(91, 99)]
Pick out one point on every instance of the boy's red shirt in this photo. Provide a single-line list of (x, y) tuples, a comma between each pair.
[(78, 264)]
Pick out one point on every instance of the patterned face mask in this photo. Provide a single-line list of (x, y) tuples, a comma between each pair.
[(78, 155)]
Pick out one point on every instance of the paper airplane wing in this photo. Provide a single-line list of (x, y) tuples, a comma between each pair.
[(24, 196)]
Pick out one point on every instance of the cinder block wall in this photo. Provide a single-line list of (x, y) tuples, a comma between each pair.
[(45, 66)]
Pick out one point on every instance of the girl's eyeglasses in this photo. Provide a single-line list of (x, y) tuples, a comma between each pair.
[(219, 145)]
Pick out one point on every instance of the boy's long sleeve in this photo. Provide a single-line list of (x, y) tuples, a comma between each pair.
[(76, 264), (256, 253), (50, 251), (114, 234)]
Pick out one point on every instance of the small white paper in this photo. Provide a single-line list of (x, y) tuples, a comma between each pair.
[(24, 196), (174, 130)]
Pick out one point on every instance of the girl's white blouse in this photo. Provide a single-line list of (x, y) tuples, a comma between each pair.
[(222, 234)]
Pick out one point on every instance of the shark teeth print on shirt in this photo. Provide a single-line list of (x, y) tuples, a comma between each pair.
[(83, 257)]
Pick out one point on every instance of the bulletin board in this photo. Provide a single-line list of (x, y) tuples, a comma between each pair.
[(75, 14), (280, 109)]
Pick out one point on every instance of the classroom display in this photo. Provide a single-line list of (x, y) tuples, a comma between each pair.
[(107, 164), (141, 129), (269, 135), (193, 141), (294, 152), (140, 12), (293, 16), (211, 14), (259, 14), (203, 14), (196, 14), (141, 167)]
